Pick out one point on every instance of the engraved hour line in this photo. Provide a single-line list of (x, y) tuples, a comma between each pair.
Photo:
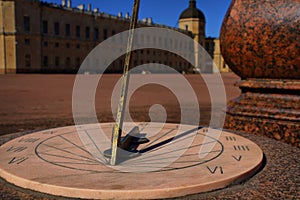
[(66, 157), (241, 148), (213, 171), (166, 142), (76, 163), (143, 126), (63, 150), (188, 155), (90, 160), (163, 135), (77, 146), (17, 161), (105, 160), (159, 162), (146, 158)]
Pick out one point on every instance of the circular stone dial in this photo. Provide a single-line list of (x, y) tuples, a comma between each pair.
[(59, 162)]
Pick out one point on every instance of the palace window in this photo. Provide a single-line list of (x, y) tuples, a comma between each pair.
[(96, 34), (207, 46), (113, 32), (78, 62), (68, 29), (27, 60), (87, 32), (26, 21), (27, 41), (45, 43), (45, 27), (68, 62), (104, 34), (56, 28), (57, 59), (77, 30), (56, 44), (45, 61)]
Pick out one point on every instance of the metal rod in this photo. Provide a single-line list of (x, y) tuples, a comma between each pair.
[(117, 131)]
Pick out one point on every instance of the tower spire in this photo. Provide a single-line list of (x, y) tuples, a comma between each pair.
[(193, 3)]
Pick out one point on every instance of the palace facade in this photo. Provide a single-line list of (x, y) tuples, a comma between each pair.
[(40, 37)]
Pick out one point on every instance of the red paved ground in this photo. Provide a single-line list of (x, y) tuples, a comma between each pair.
[(30, 102)]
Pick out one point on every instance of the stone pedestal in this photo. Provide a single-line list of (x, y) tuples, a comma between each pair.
[(267, 107), (260, 41)]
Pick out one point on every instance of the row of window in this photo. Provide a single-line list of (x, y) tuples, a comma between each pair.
[(167, 42), (78, 46), (56, 44), (58, 61), (77, 31), (155, 52), (57, 29), (68, 45), (141, 62)]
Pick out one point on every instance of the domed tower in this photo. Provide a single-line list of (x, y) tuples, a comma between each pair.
[(192, 19)]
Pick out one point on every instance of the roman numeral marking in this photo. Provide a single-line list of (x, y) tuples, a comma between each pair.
[(237, 159), (29, 140), (48, 132), (17, 161), (213, 171), (241, 148), (16, 149), (228, 138)]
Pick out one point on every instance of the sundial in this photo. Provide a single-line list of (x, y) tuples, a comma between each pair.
[(149, 160), (57, 162)]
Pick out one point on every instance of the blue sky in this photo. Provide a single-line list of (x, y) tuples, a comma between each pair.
[(164, 11)]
